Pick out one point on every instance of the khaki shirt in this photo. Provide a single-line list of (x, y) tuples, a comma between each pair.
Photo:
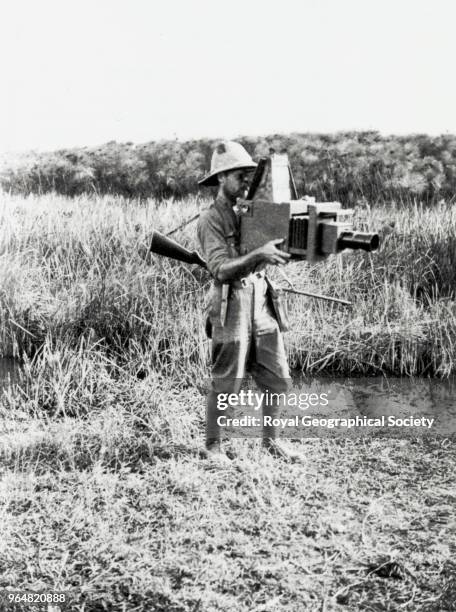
[(219, 235)]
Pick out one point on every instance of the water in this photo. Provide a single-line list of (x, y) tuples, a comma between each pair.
[(375, 397), (371, 397)]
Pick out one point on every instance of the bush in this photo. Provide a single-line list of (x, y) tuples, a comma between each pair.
[(344, 166)]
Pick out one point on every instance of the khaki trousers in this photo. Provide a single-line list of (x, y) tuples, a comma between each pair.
[(249, 341)]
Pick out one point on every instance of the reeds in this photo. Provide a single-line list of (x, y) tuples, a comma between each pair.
[(75, 273)]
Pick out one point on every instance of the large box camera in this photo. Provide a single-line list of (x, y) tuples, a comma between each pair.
[(311, 230)]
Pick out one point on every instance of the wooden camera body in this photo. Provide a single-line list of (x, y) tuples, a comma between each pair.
[(311, 230)]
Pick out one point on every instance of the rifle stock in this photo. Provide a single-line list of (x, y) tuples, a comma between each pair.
[(162, 245)]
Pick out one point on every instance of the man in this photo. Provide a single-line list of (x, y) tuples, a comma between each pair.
[(245, 332)]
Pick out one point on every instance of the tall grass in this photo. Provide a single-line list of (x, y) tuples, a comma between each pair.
[(75, 277)]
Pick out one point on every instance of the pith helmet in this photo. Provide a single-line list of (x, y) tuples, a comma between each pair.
[(227, 155)]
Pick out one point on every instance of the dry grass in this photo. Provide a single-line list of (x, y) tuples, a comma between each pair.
[(121, 509)]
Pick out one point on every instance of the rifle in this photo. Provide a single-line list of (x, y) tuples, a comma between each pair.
[(162, 245)]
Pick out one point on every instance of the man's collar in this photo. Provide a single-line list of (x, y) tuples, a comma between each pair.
[(222, 200), (226, 208)]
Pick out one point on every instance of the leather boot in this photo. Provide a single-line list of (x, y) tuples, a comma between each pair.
[(214, 450), (283, 450), (272, 443)]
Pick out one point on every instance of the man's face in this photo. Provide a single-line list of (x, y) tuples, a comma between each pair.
[(235, 183)]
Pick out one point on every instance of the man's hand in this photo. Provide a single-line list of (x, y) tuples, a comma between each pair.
[(270, 254), (243, 265)]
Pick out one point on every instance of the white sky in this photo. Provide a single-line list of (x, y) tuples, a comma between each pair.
[(83, 72)]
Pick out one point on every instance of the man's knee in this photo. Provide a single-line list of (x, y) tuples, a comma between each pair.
[(271, 356), (229, 359)]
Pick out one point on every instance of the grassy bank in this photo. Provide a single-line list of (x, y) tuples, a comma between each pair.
[(103, 488)]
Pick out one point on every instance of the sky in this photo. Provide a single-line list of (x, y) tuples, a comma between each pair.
[(82, 73)]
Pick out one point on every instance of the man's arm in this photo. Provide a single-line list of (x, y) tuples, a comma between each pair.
[(243, 265), (220, 262)]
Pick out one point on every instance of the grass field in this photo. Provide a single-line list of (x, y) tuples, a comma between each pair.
[(104, 490)]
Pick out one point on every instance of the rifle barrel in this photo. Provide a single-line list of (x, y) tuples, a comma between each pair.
[(318, 296)]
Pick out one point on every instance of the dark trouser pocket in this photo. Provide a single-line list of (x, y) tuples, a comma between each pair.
[(208, 327), (279, 307)]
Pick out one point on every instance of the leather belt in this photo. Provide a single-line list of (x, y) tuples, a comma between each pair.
[(243, 283)]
